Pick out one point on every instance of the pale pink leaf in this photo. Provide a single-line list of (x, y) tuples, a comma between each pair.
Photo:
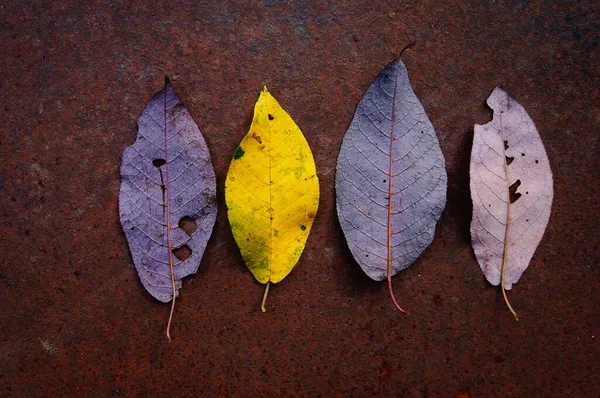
[(508, 164)]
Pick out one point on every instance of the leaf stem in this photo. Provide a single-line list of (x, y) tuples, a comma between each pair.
[(506, 300), (389, 278), (171, 314), (264, 300)]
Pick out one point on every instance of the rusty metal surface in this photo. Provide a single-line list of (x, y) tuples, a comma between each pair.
[(75, 320)]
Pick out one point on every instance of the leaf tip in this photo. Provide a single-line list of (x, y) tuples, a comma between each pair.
[(167, 81), (264, 90)]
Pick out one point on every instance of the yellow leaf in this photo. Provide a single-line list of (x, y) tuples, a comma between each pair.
[(272, 192)]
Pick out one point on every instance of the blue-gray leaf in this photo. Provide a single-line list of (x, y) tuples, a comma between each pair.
[(390, 178)]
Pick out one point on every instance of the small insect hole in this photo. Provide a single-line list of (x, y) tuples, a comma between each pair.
[(505, 145), (303, 227), (537, 161), (271, 117), (384, 180), (522, 154), (159, 162), (509, 160), (512, 191), (182, 253), (188, 225)]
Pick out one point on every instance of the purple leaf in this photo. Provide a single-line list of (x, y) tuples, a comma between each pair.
[(168, 196), (390, 178)]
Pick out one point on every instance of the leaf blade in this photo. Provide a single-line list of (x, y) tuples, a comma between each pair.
[(390, 177), (272, 192), (166, 176), (508, 152)]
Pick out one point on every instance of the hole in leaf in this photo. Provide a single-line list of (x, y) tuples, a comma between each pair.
[(188, 225), (509, 160), (537, 161), (522, 154), (182, 253), (303, 227), (505, 145), (271, 117), (512, 191), (159, 162)]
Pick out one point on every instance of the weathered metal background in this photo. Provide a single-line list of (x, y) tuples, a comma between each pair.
[(75, 320)]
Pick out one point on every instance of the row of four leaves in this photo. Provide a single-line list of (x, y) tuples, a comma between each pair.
[(390, 189)]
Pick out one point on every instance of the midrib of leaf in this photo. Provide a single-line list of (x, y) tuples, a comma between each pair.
[(390, 174), (505, 249), (263, 308), (168, 221)]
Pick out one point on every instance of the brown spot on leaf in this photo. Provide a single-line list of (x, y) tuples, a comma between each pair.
[(256, 137)]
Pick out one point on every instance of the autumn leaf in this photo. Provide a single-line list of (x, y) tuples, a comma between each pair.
[(390, 178), (511, 189), (168, 197), (272, 193)]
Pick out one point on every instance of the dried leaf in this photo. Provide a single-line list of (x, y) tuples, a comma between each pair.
[(272, 193), (390, 179), (511, 189), (168, 196)]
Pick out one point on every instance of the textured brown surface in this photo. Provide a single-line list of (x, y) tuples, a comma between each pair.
[(75, 320)]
